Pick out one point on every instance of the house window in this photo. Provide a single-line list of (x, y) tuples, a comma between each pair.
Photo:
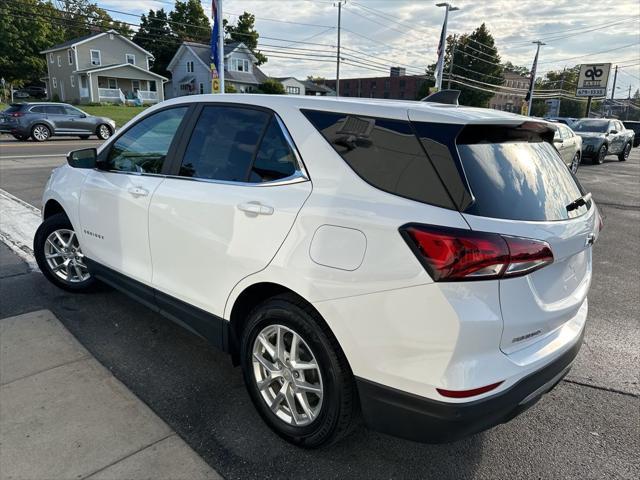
[(111, 36), (201, 88), (239, 65), (293, 90), (51, 57), (135, 85), (70, 56), (152, 85), (54, 82), (189, 67), (130, 58), (112, 83), (72, 79), (95, 57), (59, 61)]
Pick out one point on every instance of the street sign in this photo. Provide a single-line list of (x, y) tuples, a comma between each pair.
[(593, 80)]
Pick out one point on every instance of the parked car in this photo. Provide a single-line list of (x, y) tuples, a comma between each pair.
[(569, 121), (635, 126), (602, 137), (21, 94), (569, 146), (36, 92), (428, 265), (42, 120)]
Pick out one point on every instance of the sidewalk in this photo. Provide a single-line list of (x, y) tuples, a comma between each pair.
[(64, 416)]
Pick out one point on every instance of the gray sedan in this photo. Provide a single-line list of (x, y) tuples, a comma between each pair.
[(43, 120), (569, 146)]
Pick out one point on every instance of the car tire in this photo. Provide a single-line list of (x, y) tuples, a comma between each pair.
[(306, 418), (59, 255), (622, 157), (575, 163), (598, 158), (20, 138), (104, 131), (40, 132)]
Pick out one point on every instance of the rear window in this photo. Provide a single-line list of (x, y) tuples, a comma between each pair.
[(517, 176), (13, 108), (385, 153)]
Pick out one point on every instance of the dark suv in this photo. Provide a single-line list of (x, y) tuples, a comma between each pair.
[(41, 121)]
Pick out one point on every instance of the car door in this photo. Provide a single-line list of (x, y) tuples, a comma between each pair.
[(560, 143), (229, 207), (615, 139), (58, 117), (114, 201), (78, 120)]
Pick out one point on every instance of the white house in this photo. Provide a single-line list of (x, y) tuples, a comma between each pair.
[(191, 70)]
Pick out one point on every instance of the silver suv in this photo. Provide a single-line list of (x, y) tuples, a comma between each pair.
[(42, 120)]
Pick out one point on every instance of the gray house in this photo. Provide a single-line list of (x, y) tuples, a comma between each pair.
[(191, 71), (102, 67)]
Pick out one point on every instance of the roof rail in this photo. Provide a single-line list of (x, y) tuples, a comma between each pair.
[(448, 97)]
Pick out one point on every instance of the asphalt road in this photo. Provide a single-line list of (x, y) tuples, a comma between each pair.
[(588, 427)]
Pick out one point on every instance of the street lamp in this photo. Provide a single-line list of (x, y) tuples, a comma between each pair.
[(442, 46)]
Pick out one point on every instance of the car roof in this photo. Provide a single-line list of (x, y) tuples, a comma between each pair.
[(395, 109)]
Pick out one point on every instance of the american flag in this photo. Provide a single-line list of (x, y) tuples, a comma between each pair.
[(441, 49)]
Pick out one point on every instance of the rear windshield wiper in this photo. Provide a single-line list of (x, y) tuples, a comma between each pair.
[(583, 200)]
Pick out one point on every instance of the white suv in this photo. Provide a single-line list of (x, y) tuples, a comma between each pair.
[(425, 264)]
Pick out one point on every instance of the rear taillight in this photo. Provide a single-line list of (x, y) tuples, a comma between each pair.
[(452, 254), (468, 393), (17, 114)]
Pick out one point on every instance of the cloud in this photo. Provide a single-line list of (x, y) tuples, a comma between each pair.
[(406, 32)]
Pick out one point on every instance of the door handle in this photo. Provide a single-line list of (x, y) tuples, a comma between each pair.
[(255, 208), (138, 192)]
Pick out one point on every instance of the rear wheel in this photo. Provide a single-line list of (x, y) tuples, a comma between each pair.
[(296, 374), (103, 131), (40, 133), (625, 153), (575, 163), (59, 256), (598, 158)]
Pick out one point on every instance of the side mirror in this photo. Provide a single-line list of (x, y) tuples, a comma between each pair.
[(613, 132), (82, 115), (85, 158)]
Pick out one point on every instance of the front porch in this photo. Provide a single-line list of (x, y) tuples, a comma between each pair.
[(129, 91)]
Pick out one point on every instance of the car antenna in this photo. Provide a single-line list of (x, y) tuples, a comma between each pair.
[(448, 97)]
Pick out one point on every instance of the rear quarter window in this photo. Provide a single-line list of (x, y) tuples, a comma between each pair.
[(385, 153)]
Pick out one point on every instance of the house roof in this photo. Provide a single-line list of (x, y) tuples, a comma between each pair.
[(119, 65), (86, 38), (203, 53), (314, 87)]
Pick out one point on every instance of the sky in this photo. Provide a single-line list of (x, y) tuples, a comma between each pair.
[(383, 33)]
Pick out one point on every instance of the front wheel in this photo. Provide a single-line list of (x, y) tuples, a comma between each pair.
[(625, 153), (296, 374), (575, 163), (598, 158), (59, 256), (103, 131)]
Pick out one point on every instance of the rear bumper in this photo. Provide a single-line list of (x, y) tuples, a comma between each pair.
[(420, 419)]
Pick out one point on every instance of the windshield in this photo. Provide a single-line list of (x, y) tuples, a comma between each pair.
[(598, 126), (519, 181)]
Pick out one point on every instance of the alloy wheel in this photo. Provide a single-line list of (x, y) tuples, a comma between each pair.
[(64, 256), (575, 163), (627, 150), (40, 133), (104, 132), (287, 375)]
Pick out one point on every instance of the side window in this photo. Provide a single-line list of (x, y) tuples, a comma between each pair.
[(38, 109), (54, 110), (143, 148), (383, 152), (223, 143), (72, 111), (274, 159)]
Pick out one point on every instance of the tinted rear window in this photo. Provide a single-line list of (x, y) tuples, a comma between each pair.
[(519, 181), (13, 108), (383, 152)]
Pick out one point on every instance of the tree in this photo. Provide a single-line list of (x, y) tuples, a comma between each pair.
[(566, 80), (476, 57), (82, 18), (520, 70), (190, 22), (155, 36), (272, 87), (24, 33), (244, 31)]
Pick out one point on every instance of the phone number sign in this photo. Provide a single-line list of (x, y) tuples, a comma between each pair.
[(593, 80)]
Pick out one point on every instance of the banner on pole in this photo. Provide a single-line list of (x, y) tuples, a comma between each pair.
[(215, 49)]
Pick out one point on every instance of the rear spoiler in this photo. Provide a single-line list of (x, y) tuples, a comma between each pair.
[(448, 97)]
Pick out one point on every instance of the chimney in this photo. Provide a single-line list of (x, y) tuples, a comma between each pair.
[(398, 72)]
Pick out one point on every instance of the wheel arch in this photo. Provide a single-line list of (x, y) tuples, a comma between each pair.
[(51, 208), (42, 121)]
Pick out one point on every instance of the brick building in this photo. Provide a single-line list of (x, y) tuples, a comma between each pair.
[(396, 86), (509, 100)]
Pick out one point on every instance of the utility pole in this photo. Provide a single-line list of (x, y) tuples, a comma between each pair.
[(453, 54), (338, 53), (443, 42), (615, 79), (561, 87), (533, 75), (626, 117)]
